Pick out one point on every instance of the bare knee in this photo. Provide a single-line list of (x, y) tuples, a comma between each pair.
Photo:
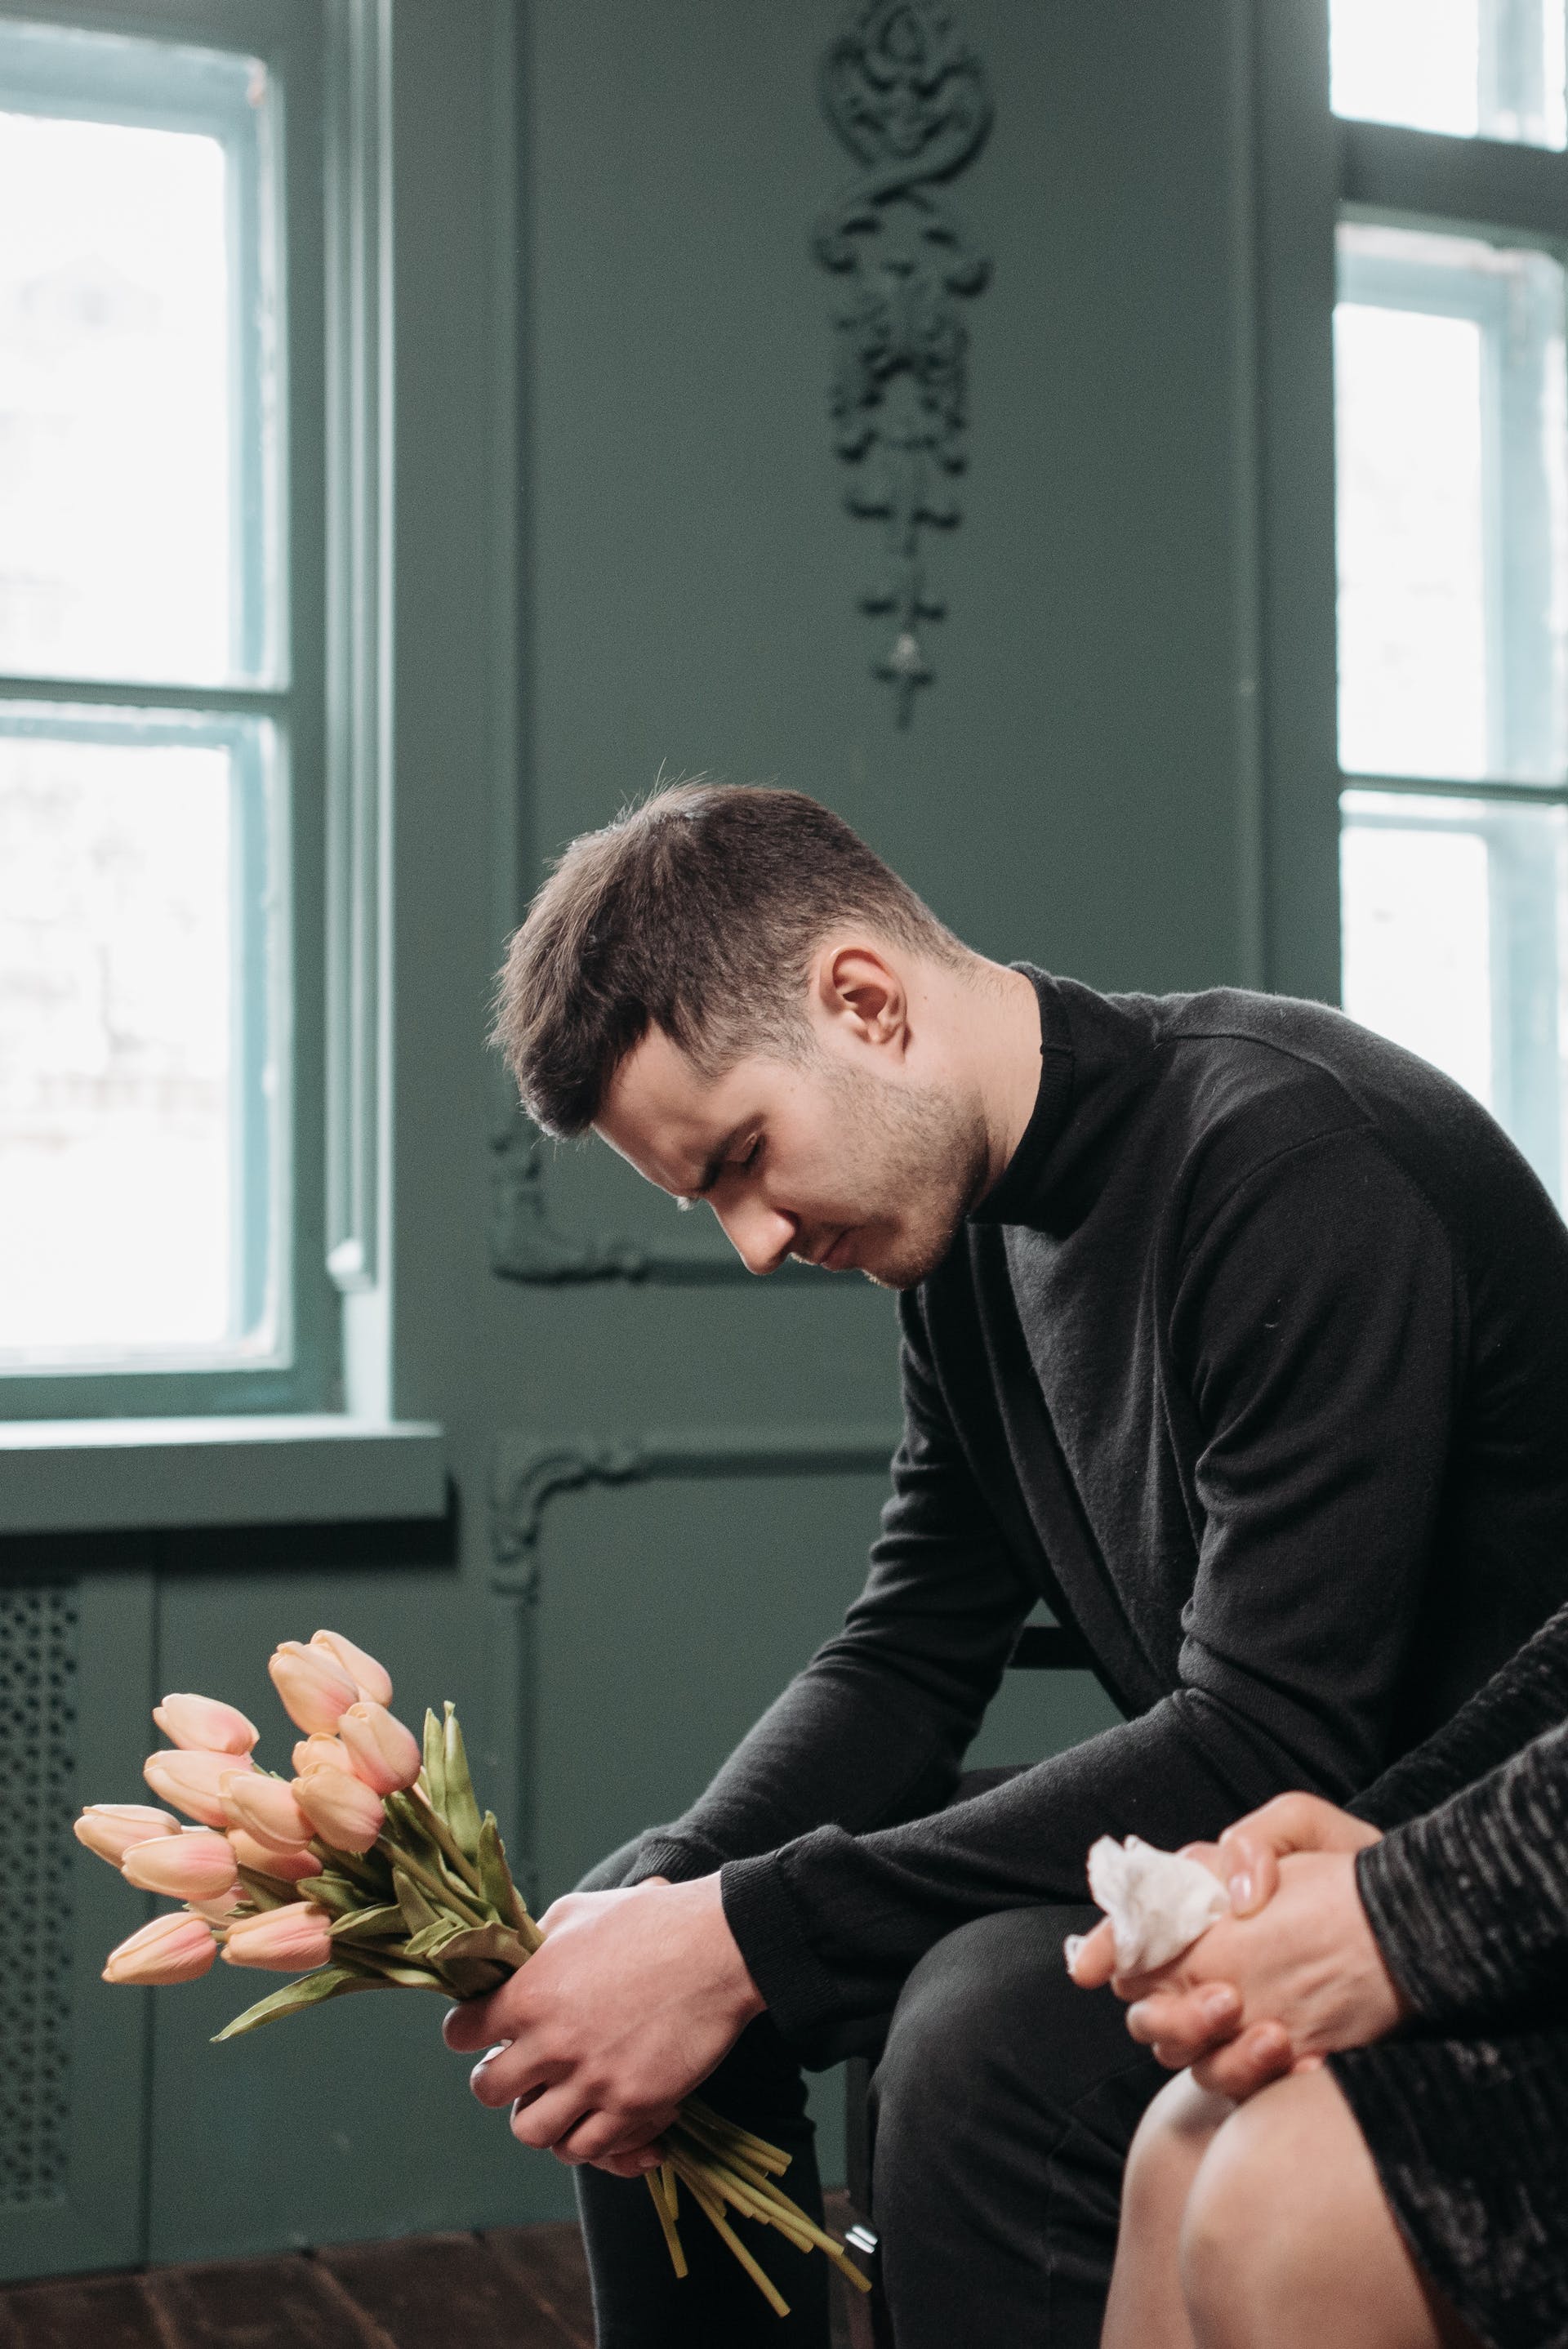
[(1233, 2257), (1287, 2236), (1144, 2310), (1173, 2138)]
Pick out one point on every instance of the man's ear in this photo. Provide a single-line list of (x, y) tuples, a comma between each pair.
[(859, 991)]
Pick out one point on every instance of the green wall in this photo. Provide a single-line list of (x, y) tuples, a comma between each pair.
[(620, 544)]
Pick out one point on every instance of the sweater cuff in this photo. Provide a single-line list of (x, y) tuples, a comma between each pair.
[(770, 1934), (679, 1858), (1429, 1947)]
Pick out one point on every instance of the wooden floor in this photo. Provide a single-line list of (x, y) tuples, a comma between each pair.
[(513, 2288)]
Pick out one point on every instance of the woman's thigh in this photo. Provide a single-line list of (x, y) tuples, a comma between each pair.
[(1289, 2241)]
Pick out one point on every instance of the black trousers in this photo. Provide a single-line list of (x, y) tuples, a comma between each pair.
[(1002, 2106)]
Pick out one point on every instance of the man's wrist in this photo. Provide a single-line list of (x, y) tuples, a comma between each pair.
[(746, 2002)]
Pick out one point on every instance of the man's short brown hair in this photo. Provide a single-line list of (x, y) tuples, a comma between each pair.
[(697, 913)]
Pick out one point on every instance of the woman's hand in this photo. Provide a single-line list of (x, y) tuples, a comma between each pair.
[(1294, 1973)]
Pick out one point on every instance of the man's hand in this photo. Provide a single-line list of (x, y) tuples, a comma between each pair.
[(633, 1999), (1291, 1974)]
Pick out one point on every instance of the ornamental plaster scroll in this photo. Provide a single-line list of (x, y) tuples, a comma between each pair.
[(908, 98), (530, 1472), (527, 1245)]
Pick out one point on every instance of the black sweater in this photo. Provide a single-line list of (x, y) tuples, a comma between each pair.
[(1468, 1892), (1254, 1367)]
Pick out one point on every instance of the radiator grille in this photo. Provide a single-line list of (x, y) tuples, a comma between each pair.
[(38, 1634)]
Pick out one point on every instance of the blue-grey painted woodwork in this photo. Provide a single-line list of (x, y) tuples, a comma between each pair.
[(614, 540), (908, 97)]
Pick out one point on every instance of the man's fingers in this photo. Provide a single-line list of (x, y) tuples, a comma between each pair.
[(1257, 2055), (510, 2073), (630, 2165), (1182, 2025), (1091, 1957), (544, 2119), (611, 2138), (473, 2026)]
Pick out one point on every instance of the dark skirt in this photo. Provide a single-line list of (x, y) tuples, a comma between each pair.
[(1471, 2141)]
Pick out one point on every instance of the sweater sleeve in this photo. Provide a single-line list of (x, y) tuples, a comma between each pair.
[(1314, 1331), (1528, 1695), (1470, 1904), (874, 1729)]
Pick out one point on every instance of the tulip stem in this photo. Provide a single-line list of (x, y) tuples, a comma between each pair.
[(427, 1821), (444, 1893), (266, 1891)]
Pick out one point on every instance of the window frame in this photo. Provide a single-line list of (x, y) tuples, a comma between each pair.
[(1312, 169), (289, 694)]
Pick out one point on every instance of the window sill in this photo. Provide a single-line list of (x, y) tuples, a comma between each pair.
[(98, 1476)]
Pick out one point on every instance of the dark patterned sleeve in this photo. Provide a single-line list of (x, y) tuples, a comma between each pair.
[(1528, 1695), (1469, 1905)]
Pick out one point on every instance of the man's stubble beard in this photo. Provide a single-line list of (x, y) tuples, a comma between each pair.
[(920, 1156)]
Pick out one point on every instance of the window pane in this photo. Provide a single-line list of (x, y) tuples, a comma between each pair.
[(1488, 67), (132, 336), (1452, 518), (1455, 922), (135, 1145)]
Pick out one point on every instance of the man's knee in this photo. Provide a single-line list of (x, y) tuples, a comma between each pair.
[(988, 2019)]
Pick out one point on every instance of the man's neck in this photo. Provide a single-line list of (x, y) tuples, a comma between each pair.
[(1004, 1052)]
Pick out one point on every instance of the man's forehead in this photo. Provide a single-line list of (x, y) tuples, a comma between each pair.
[(666, 1115)]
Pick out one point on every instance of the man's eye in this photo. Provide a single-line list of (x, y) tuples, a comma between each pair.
[(751, 1156)]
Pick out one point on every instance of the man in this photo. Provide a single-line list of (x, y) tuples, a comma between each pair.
[(1235, 1333)]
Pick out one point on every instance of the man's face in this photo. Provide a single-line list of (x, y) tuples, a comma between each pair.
[(829, 1160)]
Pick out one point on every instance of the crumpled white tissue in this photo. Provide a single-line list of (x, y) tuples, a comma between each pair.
[(1157, 1901)]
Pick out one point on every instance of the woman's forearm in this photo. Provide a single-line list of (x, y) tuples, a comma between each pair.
[(1470, 1904)]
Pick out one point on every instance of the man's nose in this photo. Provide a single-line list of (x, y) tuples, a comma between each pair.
[(761, 1235)]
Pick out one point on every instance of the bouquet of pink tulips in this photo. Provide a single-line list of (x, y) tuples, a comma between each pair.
[(370, 1869)]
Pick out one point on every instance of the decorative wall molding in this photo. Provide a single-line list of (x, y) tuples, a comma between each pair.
[(526, 1246), (530, 1472), (908, 98), (358, 252)]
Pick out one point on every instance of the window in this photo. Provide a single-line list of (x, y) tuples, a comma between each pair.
[(159, 726), (1451, 392)]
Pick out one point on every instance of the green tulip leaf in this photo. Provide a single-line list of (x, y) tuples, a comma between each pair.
[(434, 1772), (494, 1873), (433, 1938), (472, 1977), (369, 1925), (415, 1911), (459, 1809), (266, 1891), (333, 1893), (310, 1990), (499, 1945)]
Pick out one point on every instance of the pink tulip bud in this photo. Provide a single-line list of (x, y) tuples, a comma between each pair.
[(380, 1750), (194, 1865), (219, 1911), (266, 1808), (170, 1950), (344, 1811), (288, 1940), (313, 1686), (111, 1828), (202, 1723), (320, 1753), (373, 1681), (192, 1782), (288, 1867)]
